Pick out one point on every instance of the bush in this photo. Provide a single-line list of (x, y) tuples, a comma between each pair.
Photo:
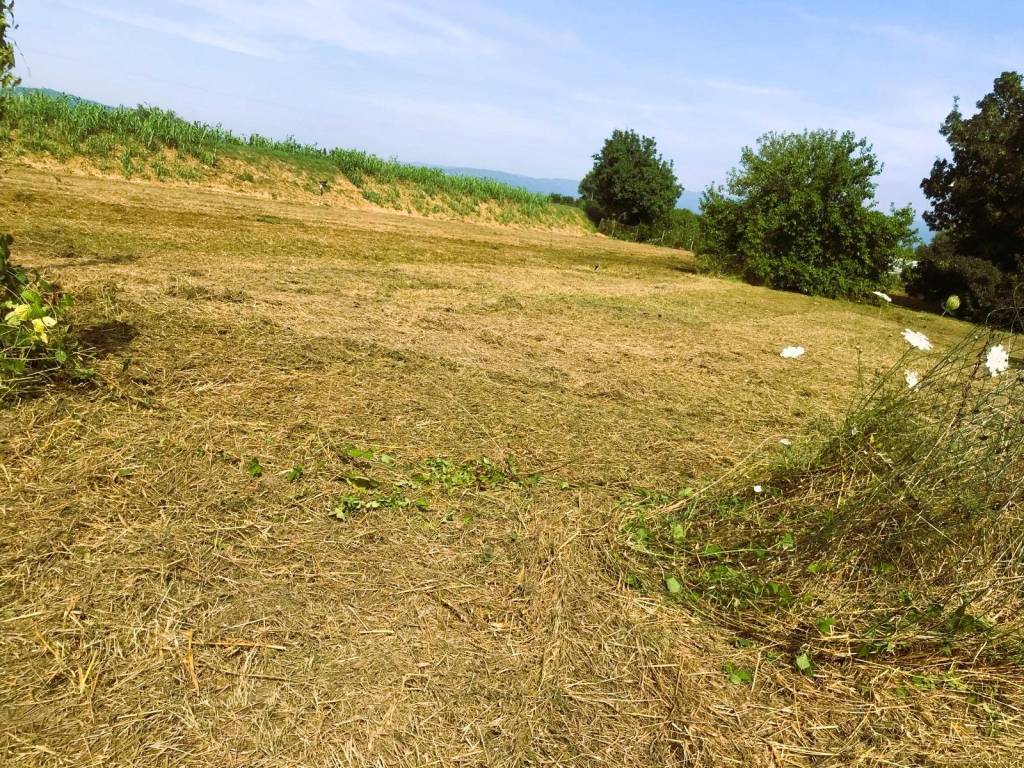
[(559, 199), (797, 214), (35, 342), (940, 272), (680, 229)]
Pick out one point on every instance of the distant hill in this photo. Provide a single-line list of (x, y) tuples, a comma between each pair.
[(58, 95), (689, 199)]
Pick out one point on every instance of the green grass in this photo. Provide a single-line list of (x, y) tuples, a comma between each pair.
[(129, 139)]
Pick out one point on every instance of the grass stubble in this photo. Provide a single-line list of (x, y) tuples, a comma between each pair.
[(163, 603)]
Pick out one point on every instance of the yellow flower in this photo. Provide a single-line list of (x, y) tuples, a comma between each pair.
[(40, 329), (20, 313)]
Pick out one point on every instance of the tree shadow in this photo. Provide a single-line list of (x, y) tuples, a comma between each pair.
[(106, 338)]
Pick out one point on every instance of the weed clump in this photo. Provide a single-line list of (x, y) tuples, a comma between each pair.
[(895, 532), (35, 342)]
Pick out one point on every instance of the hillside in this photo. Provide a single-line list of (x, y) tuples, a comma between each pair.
[(147, 143)]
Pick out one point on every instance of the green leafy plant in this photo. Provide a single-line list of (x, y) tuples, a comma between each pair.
[(738, 675), (351, 504), (35, 340)]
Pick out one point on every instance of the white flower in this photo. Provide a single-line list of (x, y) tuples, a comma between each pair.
[(786, 442), (758, 489), (792, 352), (917, 340), (998, 360), (912, 379), (883, 296)]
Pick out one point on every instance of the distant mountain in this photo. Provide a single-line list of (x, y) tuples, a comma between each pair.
[(57, 94), (923, 231), (689, 199), (530, 183)]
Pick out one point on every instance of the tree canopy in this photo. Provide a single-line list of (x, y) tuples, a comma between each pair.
[(630, 181), (798, 213), (978, 194)]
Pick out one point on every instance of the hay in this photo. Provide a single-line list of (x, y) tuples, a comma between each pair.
[(161, 606)]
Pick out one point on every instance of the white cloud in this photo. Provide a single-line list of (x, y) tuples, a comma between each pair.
[(748, 89), (225, 41), (394, 28)]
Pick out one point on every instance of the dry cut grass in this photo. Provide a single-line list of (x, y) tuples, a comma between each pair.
[(166, 601)]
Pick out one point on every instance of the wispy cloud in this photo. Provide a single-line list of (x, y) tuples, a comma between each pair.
[(393, 28), (197, 34), (749, 89), (478, 120)]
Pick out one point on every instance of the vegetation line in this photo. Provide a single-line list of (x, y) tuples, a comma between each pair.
[(147, 140)]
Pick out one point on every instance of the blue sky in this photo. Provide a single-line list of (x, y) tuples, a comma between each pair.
[(534, 87)]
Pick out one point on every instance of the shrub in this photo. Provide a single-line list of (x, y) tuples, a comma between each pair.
[(35, 342), (560, 199), (798, 214), (680, 229), (941, 272)]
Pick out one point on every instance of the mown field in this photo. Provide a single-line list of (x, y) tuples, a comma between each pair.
[(348, 490)]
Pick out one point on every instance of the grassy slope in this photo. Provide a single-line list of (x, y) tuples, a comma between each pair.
[(149, 143), (169, 606)]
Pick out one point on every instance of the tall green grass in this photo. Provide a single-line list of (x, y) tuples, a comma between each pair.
[(66, 127)]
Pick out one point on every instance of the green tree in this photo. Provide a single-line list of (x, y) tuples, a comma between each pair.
[(799, 214), (630, 182), (978, 195)]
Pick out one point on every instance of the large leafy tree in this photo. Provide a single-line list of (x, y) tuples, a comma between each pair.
[(978, 194), (630, 181), (798, 213)]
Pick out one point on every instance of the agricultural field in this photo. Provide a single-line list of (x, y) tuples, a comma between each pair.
[(354, 487)]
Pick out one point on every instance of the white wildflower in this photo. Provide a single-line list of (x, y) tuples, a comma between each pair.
[(917, 340), (912, 379), (998, 360), (883, 296), (758, 489), (786, 442), (792, 352)]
